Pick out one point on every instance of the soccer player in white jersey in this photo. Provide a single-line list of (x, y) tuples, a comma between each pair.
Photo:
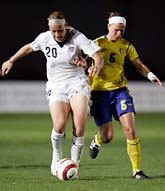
[(67, 85)]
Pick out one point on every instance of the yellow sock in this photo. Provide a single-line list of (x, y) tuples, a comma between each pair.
[(133, 150), (98, 139)]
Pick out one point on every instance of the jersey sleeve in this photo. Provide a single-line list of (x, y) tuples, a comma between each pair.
[(88, 46), (37, 43), (132, 52)]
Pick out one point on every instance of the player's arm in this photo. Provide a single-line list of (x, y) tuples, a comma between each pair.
[(90, 48), (145, 71), (92, 65), (23, 51), (98, 64)]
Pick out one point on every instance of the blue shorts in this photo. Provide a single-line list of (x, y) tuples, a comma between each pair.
[(106, 104)]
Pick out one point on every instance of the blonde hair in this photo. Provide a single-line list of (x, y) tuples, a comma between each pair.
[(113, 14), (56, 15)]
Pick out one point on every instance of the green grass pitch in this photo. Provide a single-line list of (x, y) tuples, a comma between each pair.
[(25, 156)]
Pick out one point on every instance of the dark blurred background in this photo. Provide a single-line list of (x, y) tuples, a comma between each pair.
[(22, 21)]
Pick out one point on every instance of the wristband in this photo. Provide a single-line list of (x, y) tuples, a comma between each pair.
[(150, 75)]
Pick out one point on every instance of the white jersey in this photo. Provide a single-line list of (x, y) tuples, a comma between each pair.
[(60, 65)]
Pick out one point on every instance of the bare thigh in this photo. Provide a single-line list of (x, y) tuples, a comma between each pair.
[(59, 113), (79, 109)]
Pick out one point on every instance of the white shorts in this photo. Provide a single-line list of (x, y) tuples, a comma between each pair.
[(64, 90)]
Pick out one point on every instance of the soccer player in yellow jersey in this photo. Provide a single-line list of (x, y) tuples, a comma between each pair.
[(110, 96)]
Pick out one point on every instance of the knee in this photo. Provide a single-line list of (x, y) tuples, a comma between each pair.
[(130, 133), (59, 126), (107, 138)]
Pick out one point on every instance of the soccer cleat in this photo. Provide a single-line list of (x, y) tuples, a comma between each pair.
[(53, 167), (76, 176), (140, 175), (94, 149)]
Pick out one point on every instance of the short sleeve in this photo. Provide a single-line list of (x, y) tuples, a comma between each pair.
[(132, 52), (88, 46), (37, 43)]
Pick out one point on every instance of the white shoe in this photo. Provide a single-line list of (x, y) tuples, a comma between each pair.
[(76, 176), (53, 167)]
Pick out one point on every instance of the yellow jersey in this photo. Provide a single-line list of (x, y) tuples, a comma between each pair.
[(112, 75)]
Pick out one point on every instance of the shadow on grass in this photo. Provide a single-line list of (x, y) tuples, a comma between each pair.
[(94, 178), (83, 178), (23, 166)]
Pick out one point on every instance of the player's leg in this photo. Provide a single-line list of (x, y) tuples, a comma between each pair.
[(133, 144), (79, 108), (104, 135), (100, 111), (125, 114), (59, 113)]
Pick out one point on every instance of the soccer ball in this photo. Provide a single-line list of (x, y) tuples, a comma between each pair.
[(67, 169)]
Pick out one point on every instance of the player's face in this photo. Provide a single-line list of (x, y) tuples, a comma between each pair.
[(116, 31), (58, 31)]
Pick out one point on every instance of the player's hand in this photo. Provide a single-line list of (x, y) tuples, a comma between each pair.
[(153, 78), (80, 61), (93, 70), (156, 81), (6, 67)]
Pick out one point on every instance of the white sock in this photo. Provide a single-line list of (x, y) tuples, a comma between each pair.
[(57, 142), (77, 148)]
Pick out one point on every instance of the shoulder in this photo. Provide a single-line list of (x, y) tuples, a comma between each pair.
[(101, 40), (78, 37), (124, 41), (41, 40), (44, 34), (130, 48), (77, 34), (43, 37)]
